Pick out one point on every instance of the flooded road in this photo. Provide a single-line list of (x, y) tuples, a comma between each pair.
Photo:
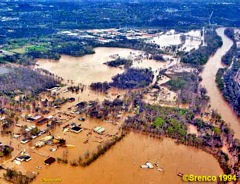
[(209, 74), (121, 164)]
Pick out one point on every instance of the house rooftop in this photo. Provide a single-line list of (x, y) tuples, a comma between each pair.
[(76, 129), (49, 161), (42, 121)]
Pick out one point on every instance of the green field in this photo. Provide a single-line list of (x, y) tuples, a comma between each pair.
[(36, 48)]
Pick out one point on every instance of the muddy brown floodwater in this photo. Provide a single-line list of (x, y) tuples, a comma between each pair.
[(121, 164), (90, 68), (209, 74)]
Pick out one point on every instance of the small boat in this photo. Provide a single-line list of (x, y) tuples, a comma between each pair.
[(180, 174), (65, 129), (150, 166), (159, 169), (53, 149), (39, 167), (70, 146), (144, 166)]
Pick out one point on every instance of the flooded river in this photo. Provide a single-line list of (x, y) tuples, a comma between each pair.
[(121, 164), (209, 73)]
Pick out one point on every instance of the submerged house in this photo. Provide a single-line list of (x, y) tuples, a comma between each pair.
[(42, 121), (49, 161), (44, 141), (76, 129), (99, 130)]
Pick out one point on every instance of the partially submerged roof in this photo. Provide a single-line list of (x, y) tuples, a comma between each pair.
[(99, 130), (76, 129), (49, 161)]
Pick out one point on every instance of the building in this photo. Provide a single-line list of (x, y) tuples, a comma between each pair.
[(49, 161), (99, 130), (76, 129), (42, 121)]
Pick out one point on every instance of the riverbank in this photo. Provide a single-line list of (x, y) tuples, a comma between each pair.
[(217, 101)]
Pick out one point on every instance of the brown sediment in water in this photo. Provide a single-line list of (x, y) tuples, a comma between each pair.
[(216, 99), (121, 164), (90, 68)]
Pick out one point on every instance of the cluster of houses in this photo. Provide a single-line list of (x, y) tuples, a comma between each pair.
[(22, 156), (39, 120)]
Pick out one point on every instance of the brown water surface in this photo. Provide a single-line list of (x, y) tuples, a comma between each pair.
[(216, 99), (121, 164), (90, 68)]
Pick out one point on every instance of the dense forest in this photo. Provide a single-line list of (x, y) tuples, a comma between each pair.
[(231, 91), (133, 78), (201, 55), (227, 58), (51, 16), (25, 80), (186, 85), (228, 79), (120, 62)]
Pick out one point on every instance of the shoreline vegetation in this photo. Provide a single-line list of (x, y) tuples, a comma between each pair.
[(201, 55), (23, 80), (126, 63), (227, 78), (101, 150), (13, 176), (132, 78)]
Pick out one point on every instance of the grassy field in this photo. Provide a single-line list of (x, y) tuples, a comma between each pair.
[(20, 50), (36, 48)]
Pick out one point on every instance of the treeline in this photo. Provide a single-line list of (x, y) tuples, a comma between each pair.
[(231, 88), (100, 87), (228, 57), (219, 78), (120, 62), (135, 44), (188, 89), (17, 58), (228, 79), (23, 80), (62, 45), (17, 177), (201, 55), (133, 78)]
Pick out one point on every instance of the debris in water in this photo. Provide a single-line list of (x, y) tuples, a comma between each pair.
[(148, 165)]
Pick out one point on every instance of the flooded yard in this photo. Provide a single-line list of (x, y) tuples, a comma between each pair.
[(192, 39), (121, 164)]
